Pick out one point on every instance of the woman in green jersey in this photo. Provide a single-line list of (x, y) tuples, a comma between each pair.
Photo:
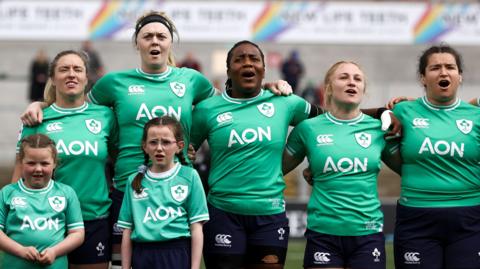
[(343, 147), (438, 213), (84, 134)]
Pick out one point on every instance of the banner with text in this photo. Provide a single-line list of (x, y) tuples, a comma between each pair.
[(284, 22)]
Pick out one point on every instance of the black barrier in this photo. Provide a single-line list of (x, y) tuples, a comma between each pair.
[(297, 215)]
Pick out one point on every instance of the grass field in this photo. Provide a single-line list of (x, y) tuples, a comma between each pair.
[(295, 255)]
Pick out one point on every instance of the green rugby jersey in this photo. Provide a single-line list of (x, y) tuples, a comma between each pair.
[(345, 158), (137, 97), (167, 205), (440, 150), (83, 136), (246, 139), (38, 217)]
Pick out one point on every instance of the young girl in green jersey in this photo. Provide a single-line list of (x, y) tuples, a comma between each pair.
[(164, 206), (343, 147), (40, 219)]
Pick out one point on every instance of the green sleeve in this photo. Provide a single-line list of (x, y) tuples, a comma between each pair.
[(299, 109), (125, 219), (196, 205), (3, 211), (199, 131), (203, 88), (73, 212), (101, 93), (296, 143)]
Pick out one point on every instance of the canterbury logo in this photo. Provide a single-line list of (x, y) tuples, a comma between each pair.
[(225, 117), (223, 239), (136, 89), (321, 257), (54, 127), (420, 123), (411, 257), (324, 139)]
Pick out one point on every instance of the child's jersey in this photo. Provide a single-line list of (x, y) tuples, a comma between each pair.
[(83, 136), (440, 150), (345, 158), (39, 218), (137, 97), (246, 139), (168, 203)]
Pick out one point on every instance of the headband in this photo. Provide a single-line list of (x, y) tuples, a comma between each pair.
[(153, 18)]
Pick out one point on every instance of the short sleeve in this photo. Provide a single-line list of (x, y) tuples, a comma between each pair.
[(24, 132), (296, 142), (199, 131), (196, 204), (3, 210), (299, 109), (73, 217), (101, 93), (125, 219), (203, 88)]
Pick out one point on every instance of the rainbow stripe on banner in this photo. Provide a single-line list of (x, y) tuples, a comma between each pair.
[(274, 19), (433, 26), (112, 17)]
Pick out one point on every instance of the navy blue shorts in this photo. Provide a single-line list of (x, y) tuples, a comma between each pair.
[(446, 237), (97, 245), (244, 239), (117, 198), (327, 251), (174, 254)]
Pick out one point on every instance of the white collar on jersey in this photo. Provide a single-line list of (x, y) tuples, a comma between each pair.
[(155, 76), (69, 110), (35, 191), (353, 121), (163, 175), (230, 99), (437, 107)]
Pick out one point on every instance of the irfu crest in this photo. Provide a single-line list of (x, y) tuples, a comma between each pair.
[(363, 139), (179, 192), (94, 126)]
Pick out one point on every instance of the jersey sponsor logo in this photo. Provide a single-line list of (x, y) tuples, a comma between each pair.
[(158, 111), (77, 147), (225, 118), (142, 195), (442, 147), (136, 89), (363, 139), (40, 224), (178, 88), (465, 126), (223, 240), (345, 165), (267, 109), (321, 257), (94, 126), (412, 257), (54, 127), (18, 202), (57, 203), (249, 135), (374, 225), (376, 253), (179, 192), (420, 123), (324, 139), (162, 213), (281, 232), (100, 247)]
